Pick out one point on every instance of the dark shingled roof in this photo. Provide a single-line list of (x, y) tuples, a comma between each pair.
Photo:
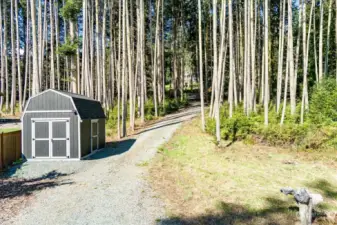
[(86, 107)]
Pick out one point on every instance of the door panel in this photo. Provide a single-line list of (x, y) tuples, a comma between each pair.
[(94, 143), (59, 148), (41, 130), (41, 148), (59, 129), (60, 137)]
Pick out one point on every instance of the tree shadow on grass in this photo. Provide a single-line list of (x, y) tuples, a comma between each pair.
[(15, 187), (325, 188), (276, 212)]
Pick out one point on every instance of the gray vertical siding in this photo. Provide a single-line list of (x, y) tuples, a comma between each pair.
[(50, 101), (85, 137), (27, 131), (101, 128)]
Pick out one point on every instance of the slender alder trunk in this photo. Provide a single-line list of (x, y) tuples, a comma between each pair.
[(98, 54), (5, 56), (124, 89), (315, 51), (119, 69), (104, 54), (306, 41), (215, 72), (285, 95), (155, 60), (297, 50), (231, 60), (266, 61), (130, 72), (57, 28), (253, 55), (292, 76), (52, 64), (142, 62), (18, 54), (320, 45), (336, 37), (280, 56), (201, 69), (39, 42), (14, 66), (326, 67), (2, 59), (27, 52)]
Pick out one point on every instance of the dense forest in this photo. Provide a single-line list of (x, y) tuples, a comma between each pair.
[(124, 53)]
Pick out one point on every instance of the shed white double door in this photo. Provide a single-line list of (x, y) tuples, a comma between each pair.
[(50, 138)]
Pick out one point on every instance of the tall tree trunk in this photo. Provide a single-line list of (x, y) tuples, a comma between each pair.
[(56, 10), (201, 82), (266, 61), (18, 54), (52, 63), (27, 53), (326, 68), (2, 59), (73, 67), (103, 54), (14, 65), (124, 82), (306, 42), (156, 60), (215, 72), (280, 56), (231, 60), (5, 56), (292, 76), (142, 62), (320, 45), (98, 54)]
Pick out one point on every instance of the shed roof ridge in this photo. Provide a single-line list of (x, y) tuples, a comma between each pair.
[(74, 95)]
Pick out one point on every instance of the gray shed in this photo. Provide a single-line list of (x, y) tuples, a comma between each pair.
[(62, 125)]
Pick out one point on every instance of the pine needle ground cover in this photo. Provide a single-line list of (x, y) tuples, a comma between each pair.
[(237, 183)]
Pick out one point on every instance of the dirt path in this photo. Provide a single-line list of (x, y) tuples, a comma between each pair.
[(108, 189)]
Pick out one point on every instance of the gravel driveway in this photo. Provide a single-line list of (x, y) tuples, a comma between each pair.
[(109, 188)]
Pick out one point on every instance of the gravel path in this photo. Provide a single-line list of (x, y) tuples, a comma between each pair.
[(110, 188)]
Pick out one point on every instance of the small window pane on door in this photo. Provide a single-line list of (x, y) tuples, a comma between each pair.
[(94, 129), (42, 148), (59, 130), (41, 130), (59, 148)]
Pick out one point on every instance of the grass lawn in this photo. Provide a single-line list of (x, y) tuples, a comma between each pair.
[(202, 183), (8, 130)]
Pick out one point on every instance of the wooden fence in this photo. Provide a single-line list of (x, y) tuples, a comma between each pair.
[(10, 148)]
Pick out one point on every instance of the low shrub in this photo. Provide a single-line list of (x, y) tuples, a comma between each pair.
[(318, 132), (323, 103)]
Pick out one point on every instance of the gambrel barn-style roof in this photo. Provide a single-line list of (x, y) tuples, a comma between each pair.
[(87, 108)]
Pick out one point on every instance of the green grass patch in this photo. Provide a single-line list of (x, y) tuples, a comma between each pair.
[(8, 130), (202, 183)]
